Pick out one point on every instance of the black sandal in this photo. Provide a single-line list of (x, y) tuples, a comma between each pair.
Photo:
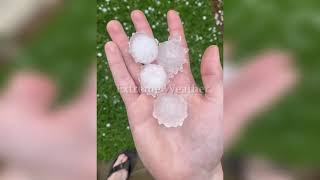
[(127, 165)]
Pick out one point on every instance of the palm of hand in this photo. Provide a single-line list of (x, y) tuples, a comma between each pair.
[(194, 147), (42, 141), (171, 153)]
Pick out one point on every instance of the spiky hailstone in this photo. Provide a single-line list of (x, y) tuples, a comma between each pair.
[(172, 55), (153, 79), (170, 110), (143, 48)]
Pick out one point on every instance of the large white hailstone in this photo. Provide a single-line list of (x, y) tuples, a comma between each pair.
[(153, 79), (170, 110), (143, 48), (172, 55)]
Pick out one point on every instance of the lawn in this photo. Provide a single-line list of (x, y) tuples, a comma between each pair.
[(113, 131)]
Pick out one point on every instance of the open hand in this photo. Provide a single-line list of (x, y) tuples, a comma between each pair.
[(192, 151)]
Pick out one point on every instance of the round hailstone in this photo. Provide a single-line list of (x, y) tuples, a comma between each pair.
[(171, 56), (170, 110), (153, 78), (143, 48)]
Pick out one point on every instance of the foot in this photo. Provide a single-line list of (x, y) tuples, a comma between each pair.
[(121, 174)]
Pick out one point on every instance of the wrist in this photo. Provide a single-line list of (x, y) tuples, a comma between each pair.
[(215, 174)]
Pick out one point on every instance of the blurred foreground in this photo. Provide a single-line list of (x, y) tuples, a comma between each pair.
[(48, 98), (271, 89)]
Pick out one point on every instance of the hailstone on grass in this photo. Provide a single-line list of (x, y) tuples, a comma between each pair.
[(143, 48), (172, 55), (170, 110), (153, 79)]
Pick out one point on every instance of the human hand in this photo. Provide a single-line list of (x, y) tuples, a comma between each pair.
[(40, 142), (192, 151), (259, 83)]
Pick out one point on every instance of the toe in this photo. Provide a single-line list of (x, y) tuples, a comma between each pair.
[(121, 159)]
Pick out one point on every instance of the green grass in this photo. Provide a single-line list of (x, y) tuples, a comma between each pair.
[(62, 47), (200, 34), (289, 132)]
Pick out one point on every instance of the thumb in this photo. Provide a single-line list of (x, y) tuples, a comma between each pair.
[(211, 73), (31, 90)]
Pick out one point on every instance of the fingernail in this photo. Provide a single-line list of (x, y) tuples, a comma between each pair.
[(136, 14), (173, 12), (113, 26), (110, 46), (215, 47)]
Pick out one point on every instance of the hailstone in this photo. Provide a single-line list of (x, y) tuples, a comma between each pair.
[(153, 79), (172, 55), (143, 48), (170, 110)]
